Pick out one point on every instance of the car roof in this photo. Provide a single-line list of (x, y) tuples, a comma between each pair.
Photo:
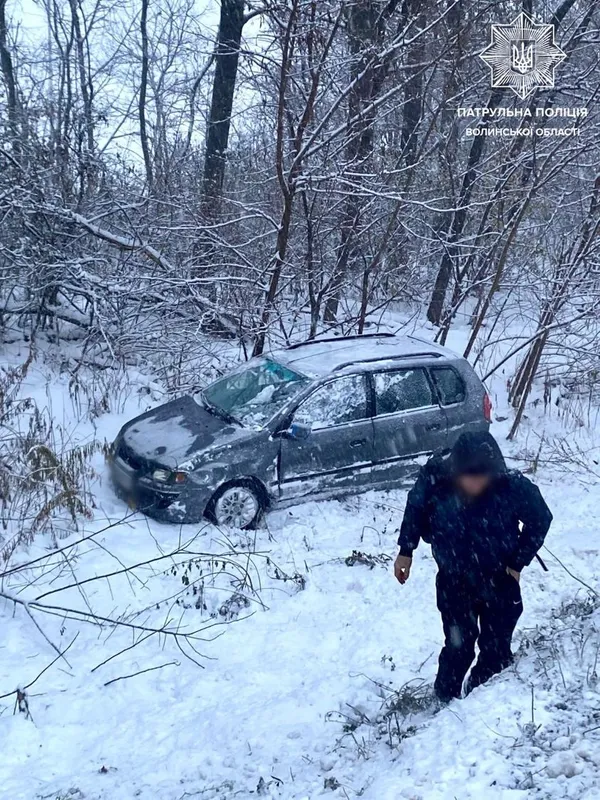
[(320, 357)]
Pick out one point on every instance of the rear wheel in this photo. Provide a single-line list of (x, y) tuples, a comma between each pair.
[(236, 505)]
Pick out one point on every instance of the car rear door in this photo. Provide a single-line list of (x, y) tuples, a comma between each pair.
[(409, 422), (462, 398), (338, 452)]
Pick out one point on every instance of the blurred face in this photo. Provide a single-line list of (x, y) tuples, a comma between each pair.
[(473, 485)]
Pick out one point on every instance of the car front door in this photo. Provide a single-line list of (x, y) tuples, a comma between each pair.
[(337, 453), (409, 423)]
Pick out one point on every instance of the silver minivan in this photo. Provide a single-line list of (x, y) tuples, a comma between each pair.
[(323, 418)]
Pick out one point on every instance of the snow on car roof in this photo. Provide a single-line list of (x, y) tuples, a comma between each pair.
[(321, 357)]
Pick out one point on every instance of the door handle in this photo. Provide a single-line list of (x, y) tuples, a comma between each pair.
[(358, 443), (435, 426)]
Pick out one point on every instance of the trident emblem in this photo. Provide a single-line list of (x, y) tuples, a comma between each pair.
[(521, 58)]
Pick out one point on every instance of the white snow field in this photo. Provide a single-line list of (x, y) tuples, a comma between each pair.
[(300, 655)]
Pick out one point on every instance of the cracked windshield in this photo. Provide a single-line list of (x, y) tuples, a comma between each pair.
[(254, 395)]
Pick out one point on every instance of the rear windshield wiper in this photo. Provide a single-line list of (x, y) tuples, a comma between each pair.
[(216, 411)]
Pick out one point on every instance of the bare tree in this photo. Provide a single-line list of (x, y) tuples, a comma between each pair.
[(226, 59), (143, 92), (8, 75)]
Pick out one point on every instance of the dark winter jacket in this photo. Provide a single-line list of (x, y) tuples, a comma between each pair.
[(477, 537)]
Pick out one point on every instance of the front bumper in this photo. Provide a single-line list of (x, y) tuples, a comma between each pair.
[(165, 503)]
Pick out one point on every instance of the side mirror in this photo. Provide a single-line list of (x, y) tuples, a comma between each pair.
[(299, 431)]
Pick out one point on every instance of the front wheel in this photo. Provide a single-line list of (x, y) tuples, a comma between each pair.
[(236, 505)]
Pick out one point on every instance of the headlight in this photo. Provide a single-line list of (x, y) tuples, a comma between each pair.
[(166, 476), (161, 475)]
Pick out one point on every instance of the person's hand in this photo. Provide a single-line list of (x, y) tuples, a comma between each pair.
[(514, 574), (402, 567)]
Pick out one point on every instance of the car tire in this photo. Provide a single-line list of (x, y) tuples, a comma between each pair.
[(238, 504)]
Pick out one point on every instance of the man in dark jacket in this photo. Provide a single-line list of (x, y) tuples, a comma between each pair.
[(484, 523)]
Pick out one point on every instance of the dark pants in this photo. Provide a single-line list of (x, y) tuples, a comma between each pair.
[(485, 613)]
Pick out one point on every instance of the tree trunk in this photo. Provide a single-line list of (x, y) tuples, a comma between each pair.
[(87, 95), (459, 218), (365, 34), (219, 121), (8, 74), (278, 262), (413, 91), (142, 96)]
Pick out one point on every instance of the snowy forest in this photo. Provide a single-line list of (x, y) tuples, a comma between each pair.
[(186, 185)]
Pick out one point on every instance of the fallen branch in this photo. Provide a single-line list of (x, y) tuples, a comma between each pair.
[(39, 627), (137, 245), (78, 615), (568, 571), (39, 675), (142, 671)]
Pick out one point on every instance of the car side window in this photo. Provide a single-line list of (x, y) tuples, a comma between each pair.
[(341, 400), (402, 390), (449, 384)]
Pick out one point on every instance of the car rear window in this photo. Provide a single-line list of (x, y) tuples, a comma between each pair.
[(449, 384), (402, 390)]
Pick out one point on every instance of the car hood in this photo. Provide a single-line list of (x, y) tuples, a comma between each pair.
[(174, 432)]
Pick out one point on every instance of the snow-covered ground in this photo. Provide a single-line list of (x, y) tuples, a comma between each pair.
[(299, 653)]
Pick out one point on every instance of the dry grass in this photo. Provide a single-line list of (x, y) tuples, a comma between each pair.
[(44, 478)]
